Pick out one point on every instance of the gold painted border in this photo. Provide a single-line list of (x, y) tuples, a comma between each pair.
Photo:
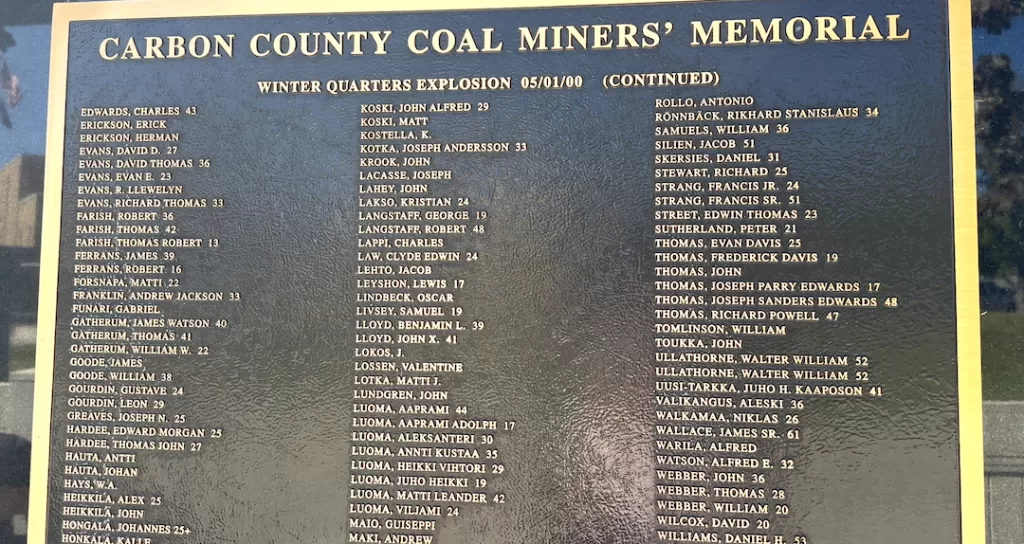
[(964, 211), (965, 247)]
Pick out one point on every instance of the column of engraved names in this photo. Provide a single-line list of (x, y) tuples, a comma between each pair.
[(417, 455), (732, 214), (133, 321)]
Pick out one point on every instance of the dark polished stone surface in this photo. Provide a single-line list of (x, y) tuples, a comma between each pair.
[(565, 283)]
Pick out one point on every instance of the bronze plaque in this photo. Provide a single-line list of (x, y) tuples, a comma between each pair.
[(462, 273)]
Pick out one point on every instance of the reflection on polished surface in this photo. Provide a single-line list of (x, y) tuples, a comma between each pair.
[(14, 478), (24, 56)]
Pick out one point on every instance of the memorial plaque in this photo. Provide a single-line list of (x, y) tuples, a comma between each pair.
[(453, 273)]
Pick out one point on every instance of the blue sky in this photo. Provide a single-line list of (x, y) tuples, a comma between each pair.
[(30, 60)]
